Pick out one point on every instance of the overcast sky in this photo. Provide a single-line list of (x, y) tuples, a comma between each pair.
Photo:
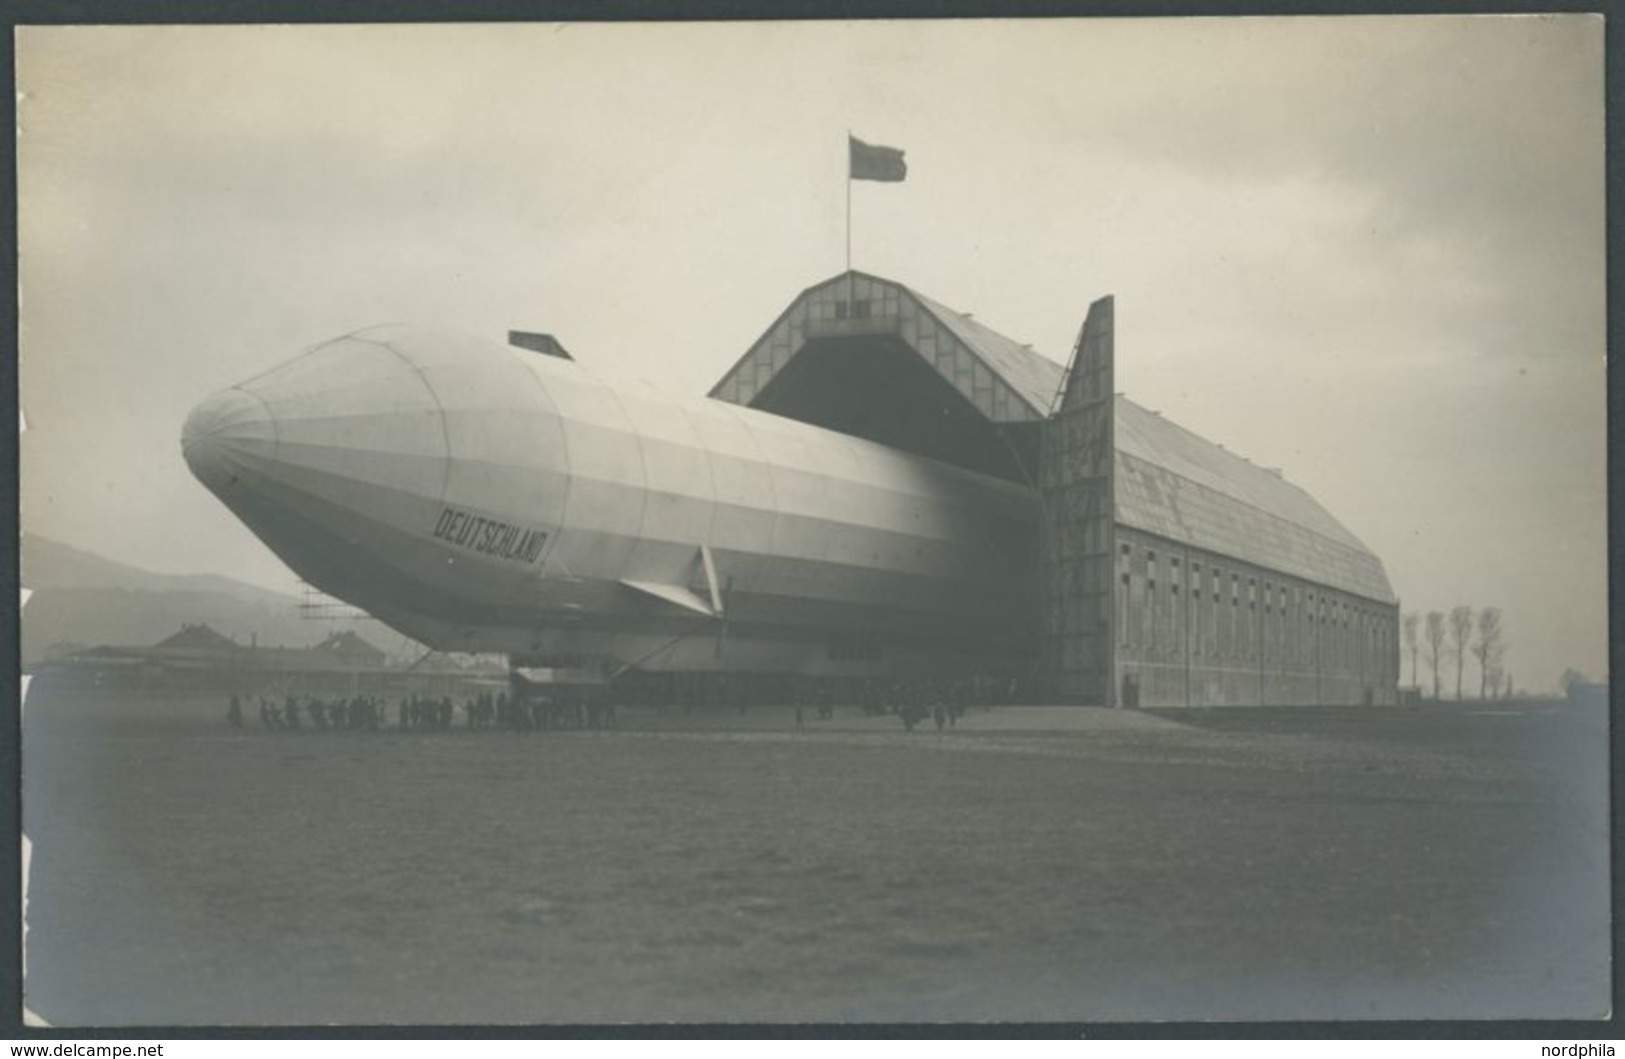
[(1369, 251)]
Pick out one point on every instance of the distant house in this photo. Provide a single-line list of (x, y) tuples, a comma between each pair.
[(193, 651), (93, 653), (103, 657), (346, 650), (197, 645), (200, 656), (199, 638)]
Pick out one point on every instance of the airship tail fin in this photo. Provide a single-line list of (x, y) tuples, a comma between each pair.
[(677, 595)]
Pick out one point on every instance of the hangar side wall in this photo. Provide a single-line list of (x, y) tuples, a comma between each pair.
[(1195, 628)]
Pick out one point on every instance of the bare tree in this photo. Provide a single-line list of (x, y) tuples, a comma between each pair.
[(1461, 631), (1409, 626), (1433, 639), (1488, 649)]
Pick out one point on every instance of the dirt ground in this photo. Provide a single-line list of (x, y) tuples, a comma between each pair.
[(1026, 865)]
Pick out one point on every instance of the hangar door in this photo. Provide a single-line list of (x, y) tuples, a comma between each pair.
[(1076, 461)]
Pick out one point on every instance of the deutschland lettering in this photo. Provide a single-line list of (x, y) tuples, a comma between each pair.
[(488, 536)]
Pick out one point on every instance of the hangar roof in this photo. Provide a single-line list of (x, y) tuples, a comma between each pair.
[(1034, 377), (1170, 481), (1179, 485)]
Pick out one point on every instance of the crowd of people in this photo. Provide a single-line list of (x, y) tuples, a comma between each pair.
[(944, 701), (911, 701), (372, 713)]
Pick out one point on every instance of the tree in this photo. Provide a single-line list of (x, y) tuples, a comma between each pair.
[(1411, 621), (1433, 639), (1570, 677), (1461, 631), (1488, 649)]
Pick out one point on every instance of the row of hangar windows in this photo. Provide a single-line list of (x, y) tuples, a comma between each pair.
[(1167, 607)]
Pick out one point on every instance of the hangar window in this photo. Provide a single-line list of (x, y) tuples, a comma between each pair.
[(853, 651), (1122, 613)]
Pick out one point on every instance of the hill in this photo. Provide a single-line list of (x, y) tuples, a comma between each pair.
[(83, 599)]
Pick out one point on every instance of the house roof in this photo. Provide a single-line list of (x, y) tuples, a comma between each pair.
[(347, 642), (198, 638)]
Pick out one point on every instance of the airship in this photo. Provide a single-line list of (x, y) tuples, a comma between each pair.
[(481, 497), (880, 487)]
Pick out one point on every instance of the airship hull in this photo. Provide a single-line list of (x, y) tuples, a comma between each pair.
[(481, 498)]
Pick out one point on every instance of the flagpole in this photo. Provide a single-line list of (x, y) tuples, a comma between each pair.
[(849, 200)]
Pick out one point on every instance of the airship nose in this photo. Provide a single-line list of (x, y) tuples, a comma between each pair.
[(226, 427), (352, 459)]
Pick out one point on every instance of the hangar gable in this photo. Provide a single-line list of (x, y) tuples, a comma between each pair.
[(1003, 380)]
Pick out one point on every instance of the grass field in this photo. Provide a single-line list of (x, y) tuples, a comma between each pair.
[(1028, 865)]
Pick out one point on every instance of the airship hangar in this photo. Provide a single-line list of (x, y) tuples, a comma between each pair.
[(1166, 570)]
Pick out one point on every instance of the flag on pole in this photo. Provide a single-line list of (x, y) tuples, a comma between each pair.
[(875, 163)]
